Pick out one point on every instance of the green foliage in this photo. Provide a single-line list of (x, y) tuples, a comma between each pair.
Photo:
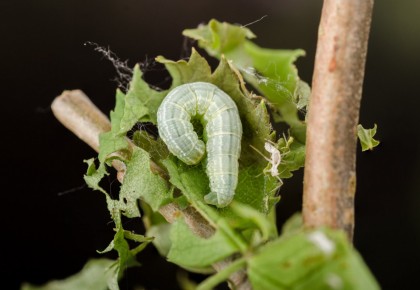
[(141, 103), (293, 156), (127, 204), (126, 256), (245, 231), (320, 259), (95, 275), (114, 141), (140, 182), (94, 175), (255, 195), (270, 71), (366, 137), (191, 251)]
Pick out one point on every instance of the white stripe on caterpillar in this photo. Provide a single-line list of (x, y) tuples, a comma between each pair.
[(222, 133)]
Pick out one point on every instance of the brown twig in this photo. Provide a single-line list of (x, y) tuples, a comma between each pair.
[(78, 114), (330, 177)]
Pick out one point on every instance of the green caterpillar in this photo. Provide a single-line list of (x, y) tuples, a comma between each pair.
[(222, 133)]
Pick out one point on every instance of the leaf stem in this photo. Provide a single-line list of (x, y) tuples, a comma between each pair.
[(222, 275), (330, 177)]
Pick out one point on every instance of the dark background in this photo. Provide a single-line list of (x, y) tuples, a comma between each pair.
[(47, 235)]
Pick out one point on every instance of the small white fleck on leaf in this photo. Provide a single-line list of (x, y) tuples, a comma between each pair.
[(334, 281), (320, 240)]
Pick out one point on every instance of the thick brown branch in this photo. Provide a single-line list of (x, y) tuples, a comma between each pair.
[(330, 178), (78, 114)]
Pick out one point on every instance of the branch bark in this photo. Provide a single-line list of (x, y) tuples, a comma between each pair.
[(78, 114), (330, 177)]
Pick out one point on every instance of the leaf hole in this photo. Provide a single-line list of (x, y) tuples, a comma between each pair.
[(156, 75), (111, 184)]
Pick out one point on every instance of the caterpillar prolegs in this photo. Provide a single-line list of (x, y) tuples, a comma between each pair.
[(222, 133)]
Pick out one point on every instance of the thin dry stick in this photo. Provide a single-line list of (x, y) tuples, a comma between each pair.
[(78, 114), (330, 177)]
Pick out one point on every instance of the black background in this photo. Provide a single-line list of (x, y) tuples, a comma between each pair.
[(46, 235)]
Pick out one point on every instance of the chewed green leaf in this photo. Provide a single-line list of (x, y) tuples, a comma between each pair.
[(219, 37), (192, 251), (141, 183), (257, 190), (254, 115), (141, 103), (283, 158), (117, 114), (182, 72), (293, 156), (271, 71), (112, 141), (126, 256), (156, 148), (95, 275), (93, 176), (301, 97), (366, 137), (275, 76), (318, 259)]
